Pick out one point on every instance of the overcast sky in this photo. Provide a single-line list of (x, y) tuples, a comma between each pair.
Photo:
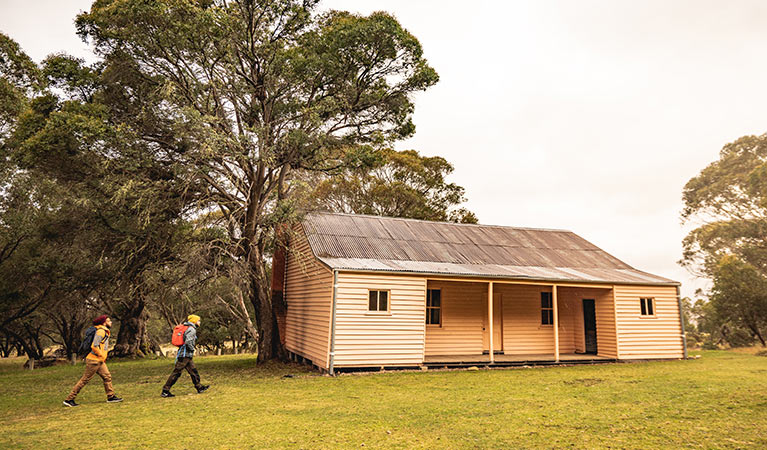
[(588, 116)]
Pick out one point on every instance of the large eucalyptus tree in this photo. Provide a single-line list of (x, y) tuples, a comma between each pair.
[(245, 96)]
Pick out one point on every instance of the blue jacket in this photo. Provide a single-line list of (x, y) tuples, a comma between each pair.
[(190, 338)]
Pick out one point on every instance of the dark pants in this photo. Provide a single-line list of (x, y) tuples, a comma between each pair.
[(181, 364)]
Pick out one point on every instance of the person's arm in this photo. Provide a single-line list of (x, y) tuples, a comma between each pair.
[(190, 339), (96, 344)]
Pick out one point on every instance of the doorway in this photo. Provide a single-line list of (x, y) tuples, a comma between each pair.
[(497, 326), (590, 326)]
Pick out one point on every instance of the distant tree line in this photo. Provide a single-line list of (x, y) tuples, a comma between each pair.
[(728, 203), (151, 183)]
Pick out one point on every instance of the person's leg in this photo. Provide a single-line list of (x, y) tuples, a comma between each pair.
[(103, 372), (192, 369), (180, 364), (91, 367)]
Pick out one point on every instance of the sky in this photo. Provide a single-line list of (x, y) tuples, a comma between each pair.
[(588, 116)]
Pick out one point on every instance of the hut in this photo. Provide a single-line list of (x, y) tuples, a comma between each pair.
[(371, 292)]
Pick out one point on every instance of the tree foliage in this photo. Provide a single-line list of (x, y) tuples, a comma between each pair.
[(92, 211), (728, 200), (154, 180), (739, 296), (19, 78), (248, 96), (397, 184)]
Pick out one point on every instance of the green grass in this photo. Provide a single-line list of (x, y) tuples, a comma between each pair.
[(717, 401)]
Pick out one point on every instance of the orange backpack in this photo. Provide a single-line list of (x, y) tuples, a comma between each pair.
[(178, 335)]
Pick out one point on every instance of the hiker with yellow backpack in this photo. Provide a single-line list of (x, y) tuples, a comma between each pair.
[(184, 337), (96, 344)]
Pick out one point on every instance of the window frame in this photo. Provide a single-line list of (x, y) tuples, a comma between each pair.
[(643, 303), (431, 308), (387, 311), (550, 309)]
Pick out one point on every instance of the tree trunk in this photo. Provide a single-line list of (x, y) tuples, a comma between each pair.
[(26, 346), (758, 334), (7, 346), (725, 334), (70, 331), (149, 344), (269, 345), (132, 331)]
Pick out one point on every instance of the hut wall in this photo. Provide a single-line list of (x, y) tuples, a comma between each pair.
[(523, 333), (607, 342), (309, 296), (642, 337), (365, 338), (463, 307)]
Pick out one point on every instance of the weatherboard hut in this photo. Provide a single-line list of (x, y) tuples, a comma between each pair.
[(368, 291)]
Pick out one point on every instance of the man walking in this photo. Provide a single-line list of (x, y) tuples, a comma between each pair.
[(184, 359), (95, 363)]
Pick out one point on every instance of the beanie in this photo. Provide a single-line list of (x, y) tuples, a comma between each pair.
[(100, 320), (194, 318)]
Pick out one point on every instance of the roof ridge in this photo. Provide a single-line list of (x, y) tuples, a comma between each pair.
[(326, 213)]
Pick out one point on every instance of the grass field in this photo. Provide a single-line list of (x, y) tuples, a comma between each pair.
[(717, 401)]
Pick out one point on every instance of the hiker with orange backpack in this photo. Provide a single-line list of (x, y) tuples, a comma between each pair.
[(96, 343), (184, 337)]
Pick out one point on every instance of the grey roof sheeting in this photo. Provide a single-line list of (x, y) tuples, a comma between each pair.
[(388, 244)]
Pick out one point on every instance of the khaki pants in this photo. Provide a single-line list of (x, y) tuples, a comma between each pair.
[(92, 368)]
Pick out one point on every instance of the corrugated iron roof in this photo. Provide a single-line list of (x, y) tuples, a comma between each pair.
[(374, 243)]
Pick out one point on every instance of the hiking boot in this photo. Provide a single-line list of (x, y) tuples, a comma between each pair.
[(166, 394), (114, 399), (203, 388), (70, 403)]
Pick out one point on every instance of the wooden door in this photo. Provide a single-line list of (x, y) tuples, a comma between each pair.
[(590, 325), (497, 326)]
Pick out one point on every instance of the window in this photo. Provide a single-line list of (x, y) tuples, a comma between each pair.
[(547, 309), (433, 307), (379, 301), (647, 306)]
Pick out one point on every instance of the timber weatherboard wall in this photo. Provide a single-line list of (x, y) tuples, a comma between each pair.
[(572, 298), (463, 308), (372, 338), (607, 341), (309, 295), (571, 301), (648, 337), (523, 333)]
